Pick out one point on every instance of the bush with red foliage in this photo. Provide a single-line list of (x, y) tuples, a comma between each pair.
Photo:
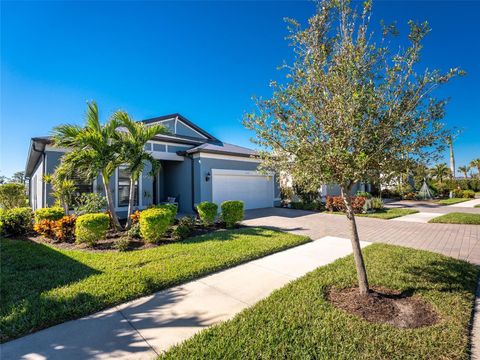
[(60, 230), (336, 203), (135, 217)]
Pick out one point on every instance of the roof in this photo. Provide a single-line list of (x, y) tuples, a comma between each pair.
[(209, 145), (223, 148)]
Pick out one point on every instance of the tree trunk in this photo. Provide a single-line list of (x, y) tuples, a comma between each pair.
[(131, 199), (357, 251), (111, 205)]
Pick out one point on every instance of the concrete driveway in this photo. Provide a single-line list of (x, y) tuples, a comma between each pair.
[(459, 241)]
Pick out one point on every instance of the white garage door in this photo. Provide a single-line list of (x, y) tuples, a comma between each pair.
[(253, 188)]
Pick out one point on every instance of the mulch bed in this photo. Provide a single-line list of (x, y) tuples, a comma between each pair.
[(109, 243), (385, 306)]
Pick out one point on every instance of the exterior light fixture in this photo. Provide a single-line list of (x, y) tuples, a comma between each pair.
[(207, 178)]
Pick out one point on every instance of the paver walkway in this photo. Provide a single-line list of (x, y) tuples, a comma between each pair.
[(143, 328), (420, 217), (459, 241)]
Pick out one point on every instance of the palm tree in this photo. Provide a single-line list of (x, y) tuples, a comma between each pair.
[(440, 171), (476, 164), (464, 169), (133, 152), (94, 151)]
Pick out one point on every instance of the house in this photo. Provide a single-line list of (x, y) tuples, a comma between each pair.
[(194, 167)]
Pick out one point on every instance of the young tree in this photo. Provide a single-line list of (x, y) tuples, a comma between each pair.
[(63, 189), (350, 107), (476, 163), (464, 169), (440, 172), (94, 151), (133, 152)]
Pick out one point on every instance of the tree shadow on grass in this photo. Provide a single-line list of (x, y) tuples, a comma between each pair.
[(28, 271), (446, 275)]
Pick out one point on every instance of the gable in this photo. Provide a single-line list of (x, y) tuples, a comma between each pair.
[(181, 126)]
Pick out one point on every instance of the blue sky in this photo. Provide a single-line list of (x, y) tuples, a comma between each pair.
[(202, 59)]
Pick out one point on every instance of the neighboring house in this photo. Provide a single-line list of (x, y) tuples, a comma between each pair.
[(195, 167)]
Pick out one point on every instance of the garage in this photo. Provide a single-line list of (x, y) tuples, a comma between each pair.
[(255, 189)]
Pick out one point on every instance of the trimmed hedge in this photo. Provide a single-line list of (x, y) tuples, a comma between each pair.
[(53, 214), (90, 228), (207, 211), (172, 210), (154, 223), (16, 221), (232, 212)]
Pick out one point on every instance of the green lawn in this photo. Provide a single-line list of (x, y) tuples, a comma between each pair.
[(297, 322), (457, 218), (452, 201), (42, 286), (477, 206), (384, 213)]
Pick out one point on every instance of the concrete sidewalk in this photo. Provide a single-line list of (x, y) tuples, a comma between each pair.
[(467, 204), (143, 328)]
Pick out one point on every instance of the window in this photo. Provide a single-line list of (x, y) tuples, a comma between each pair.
[(123, 184)]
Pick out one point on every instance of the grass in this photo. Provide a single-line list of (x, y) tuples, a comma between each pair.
[(43, 286), (452, 201), (385, 214), (457, 218), (477, 206), (297, 322)]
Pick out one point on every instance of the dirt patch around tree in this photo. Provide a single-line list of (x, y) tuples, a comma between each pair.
[(385, 306)]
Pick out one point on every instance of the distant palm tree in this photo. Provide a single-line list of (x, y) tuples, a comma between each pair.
[(464, 169), (94, 151), (133, 152), (476, 164), (440, 171)]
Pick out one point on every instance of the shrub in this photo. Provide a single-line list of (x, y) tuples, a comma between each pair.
[(409, 196), (90, 203), (134, 231), (376, 203), (364, 194), (390, 194), (46, 228), (154, 223), (300, 205), (469, 194), (232, 212), (207, 211), (60, 230), (12, 195), (122, 244), (184, 228), (135, 217), (91, 227), (65, 228), (458, 193), (53, 213), (336, 203), (171, 209), (16, 221)]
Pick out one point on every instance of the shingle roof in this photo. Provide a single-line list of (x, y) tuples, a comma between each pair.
[(223, 148)]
